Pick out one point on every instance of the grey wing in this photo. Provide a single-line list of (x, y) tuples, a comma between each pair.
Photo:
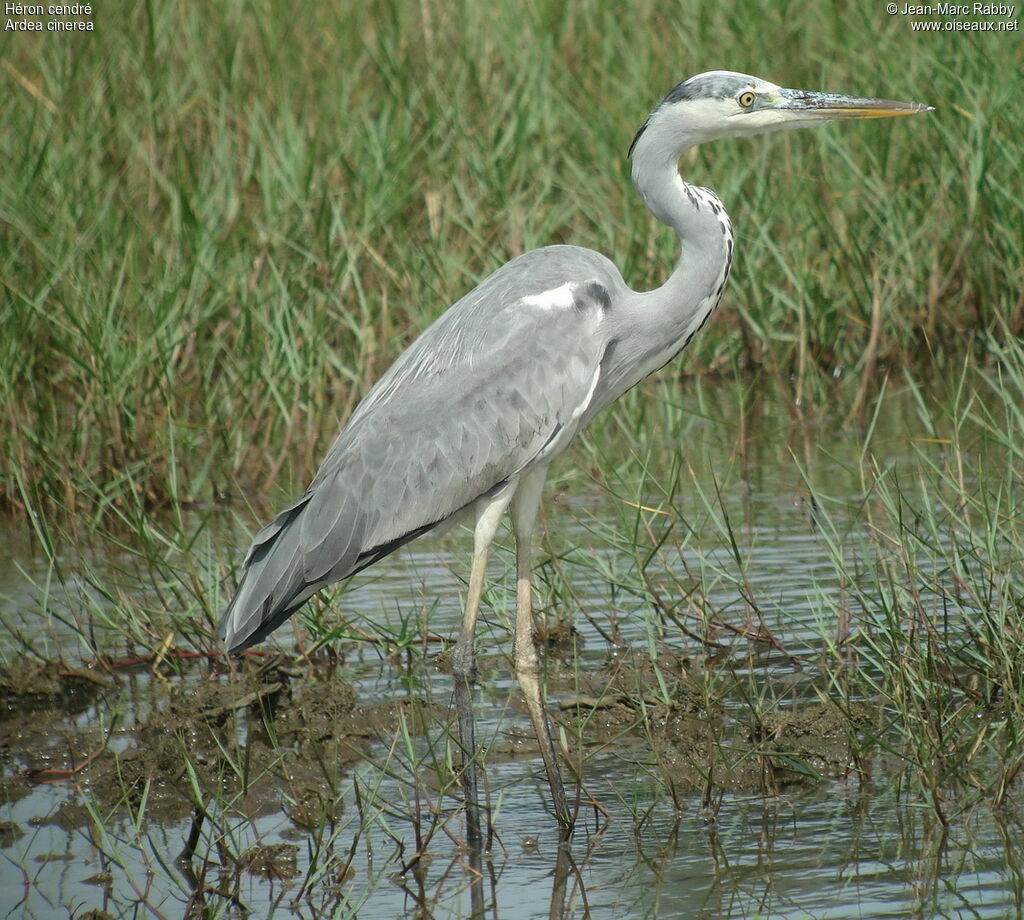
[(498, 382)]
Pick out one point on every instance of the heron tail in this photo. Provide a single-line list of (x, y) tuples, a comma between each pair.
[(275, 582), (317, 541)]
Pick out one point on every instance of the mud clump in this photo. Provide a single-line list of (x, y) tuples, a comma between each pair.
[(38, 685), (696, 741), (275, 861), (39, 702), (68, 816), (192, 732), (559, 639), (10, 833), (783, 749), (809, 744), (271, 737), (13, 788), (693, 743), (605, 713), (323, 711), (619, 698)]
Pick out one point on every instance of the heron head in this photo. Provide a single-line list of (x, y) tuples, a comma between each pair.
[(721, 103)]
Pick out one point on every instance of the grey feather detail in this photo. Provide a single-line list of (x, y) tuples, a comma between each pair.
[(483, 393), (331, 530)]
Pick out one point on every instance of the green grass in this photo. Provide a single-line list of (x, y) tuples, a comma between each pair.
[(219, 224)]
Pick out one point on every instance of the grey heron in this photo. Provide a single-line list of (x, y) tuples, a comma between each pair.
[(467, 419)]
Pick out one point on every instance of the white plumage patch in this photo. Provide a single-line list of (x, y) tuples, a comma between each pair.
[(558, 298), (583, 406)]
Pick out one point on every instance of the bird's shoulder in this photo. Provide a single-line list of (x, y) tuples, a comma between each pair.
[(543, 308), (553, 280), (550, 267)]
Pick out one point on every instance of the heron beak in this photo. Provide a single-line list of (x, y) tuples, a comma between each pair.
[(829, 107)]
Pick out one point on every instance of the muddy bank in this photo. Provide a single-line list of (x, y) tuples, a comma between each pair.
[(275, 736), (31, 685), (698, 739), (269, 737)]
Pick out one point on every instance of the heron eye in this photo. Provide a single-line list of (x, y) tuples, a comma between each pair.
[(746, 99)]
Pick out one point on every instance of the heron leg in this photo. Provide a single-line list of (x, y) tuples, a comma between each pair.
[(525, 505), (489, 512)]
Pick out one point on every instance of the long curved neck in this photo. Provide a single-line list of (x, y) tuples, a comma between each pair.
[(695, 214), (650, 328)]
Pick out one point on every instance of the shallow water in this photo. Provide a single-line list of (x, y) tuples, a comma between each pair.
[(832, 849)]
